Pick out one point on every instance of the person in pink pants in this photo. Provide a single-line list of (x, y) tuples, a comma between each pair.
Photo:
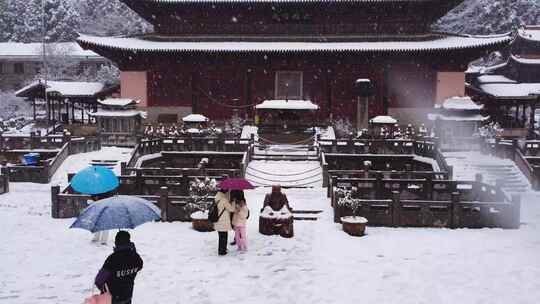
[(240, 216)]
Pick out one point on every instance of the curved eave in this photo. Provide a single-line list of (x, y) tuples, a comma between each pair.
[(137, 45), (508, 98), (527, 38), (525, 61)]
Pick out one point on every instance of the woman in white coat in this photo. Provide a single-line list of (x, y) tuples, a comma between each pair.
[(223, 225)]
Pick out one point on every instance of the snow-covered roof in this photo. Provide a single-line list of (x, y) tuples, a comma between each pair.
[(523, 60), (508, 90), (382, 119), (475, 117), (195, 118), (118, 113), (281, 104), (530, 32), (460, 103), (492, 68), (66, 88), (33, 51), (494, 79), (120, 102), (137, 44)]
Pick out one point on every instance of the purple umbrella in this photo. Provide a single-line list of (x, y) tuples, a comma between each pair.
[(235, 184)]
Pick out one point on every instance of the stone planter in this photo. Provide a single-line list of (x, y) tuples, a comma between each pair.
[(200, 222), (354, 225)]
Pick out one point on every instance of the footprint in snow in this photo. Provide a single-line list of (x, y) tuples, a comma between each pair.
[(390, 274), (47, 298)]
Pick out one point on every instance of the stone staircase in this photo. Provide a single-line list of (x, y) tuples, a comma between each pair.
[(467, 164), (290, 166), (286, 165), (110, 164), (285, 152), (286, 173), (306, 215)]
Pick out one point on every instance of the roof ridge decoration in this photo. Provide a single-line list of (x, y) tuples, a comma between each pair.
[(530, 32)]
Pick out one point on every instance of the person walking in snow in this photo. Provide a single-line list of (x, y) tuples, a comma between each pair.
[(120, 269), (223, 224), (239, 220), (101, 236)]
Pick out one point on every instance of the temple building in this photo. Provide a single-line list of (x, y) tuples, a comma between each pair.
[(510, 90), (213, 56)]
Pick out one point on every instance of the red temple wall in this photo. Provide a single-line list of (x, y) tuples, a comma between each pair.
[(215, 84)]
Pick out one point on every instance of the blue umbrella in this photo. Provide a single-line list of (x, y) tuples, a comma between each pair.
[(117, 212), (94, 180)]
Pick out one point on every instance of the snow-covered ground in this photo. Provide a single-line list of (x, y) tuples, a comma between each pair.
[(45, 262), (80, 161)]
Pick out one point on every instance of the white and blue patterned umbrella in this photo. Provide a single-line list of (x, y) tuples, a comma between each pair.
[(117, 212)]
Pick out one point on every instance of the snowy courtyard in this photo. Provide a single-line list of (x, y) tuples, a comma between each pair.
[(389, 151), (45, 262)]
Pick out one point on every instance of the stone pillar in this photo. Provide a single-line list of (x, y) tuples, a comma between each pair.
[(164, 203), (363, 89), (396, 209), (5, 173), (516, 211), (55, 190), (478, 179), (378, 185), (455, 221), (362, 113), (123, 166)]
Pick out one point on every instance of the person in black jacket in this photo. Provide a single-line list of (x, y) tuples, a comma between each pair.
[(120, 269)]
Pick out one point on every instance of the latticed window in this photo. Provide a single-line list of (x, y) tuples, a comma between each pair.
[(288, 85)]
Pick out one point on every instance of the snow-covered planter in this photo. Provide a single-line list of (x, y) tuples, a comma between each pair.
[(200, 221), (354, 225), (276, 222)]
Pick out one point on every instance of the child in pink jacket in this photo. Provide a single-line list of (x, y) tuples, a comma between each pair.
[(239, 221)]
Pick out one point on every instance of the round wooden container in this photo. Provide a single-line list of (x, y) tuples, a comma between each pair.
[(354, 225), (202, 225)]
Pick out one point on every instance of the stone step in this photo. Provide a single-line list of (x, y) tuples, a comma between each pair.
[(285, 157), (305, 218), (306, 211)]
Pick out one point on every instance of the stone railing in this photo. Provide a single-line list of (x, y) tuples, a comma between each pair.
[(43, 172), (173, 207), (425, 203)]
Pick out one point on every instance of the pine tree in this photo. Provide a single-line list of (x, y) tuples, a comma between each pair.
[(62, 20), (27, 28), (106, 18), (21, 21), (489, 17), (5, 22)]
